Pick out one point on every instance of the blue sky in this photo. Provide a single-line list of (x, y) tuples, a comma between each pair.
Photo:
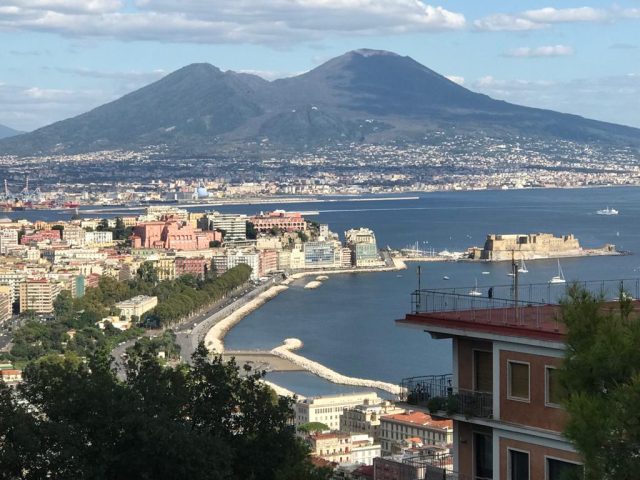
[(60, 58)]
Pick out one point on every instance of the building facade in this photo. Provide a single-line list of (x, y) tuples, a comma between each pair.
[(396, 429), (329, 409), (38, 295), (503, 395), (136, 306)]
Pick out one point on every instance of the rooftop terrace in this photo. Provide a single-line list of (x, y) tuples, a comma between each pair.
[(533, 311)]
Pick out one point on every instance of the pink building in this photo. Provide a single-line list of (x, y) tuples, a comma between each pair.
[(268, 261), (40, 236), (286, 221), (191, 266), (172, 234)]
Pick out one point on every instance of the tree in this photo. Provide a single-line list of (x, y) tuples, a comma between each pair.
[(251, 231), (147, 273), (214, 244), (63, 306), (103, 226), (58, 227), (313, 427), (303, 236), (601, 377), (76, 419)]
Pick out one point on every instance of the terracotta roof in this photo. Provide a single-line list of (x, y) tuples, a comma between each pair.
[(418, 418)]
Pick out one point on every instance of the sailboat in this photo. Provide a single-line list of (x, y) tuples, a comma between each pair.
[(523, 267), (475, 292), (558, 278)]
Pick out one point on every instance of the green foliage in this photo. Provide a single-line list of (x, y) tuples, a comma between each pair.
[(58, 227), (601, 375), (152, 346), (313, 427), (71, 419), (148, 273), (303, 236), (214, 244), (251, 231)]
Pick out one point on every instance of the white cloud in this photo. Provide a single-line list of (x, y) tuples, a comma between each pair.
[(615, 98), (456, 79), (566, 15), (545, 17), (545, 51), (226, 21)]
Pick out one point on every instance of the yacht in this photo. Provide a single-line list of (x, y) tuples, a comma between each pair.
[(446, 277), (558, 278), (607, 211), (475, 292)]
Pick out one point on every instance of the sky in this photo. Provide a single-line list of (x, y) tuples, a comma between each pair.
[(60, 58)]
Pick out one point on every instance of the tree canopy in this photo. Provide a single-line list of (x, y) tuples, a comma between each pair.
[(73, 419), (601, 377)]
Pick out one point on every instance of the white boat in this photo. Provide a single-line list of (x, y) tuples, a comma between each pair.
[(607, 211), (486, 273), (475, 292), (558, 278), (523, 267), (445, 277)]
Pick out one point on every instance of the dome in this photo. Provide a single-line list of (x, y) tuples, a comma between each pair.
[(202, 192)]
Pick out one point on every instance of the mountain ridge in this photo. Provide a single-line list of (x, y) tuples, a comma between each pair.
[(364, 95), (6, 132)]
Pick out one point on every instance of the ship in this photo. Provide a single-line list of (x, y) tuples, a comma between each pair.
[(607, 211)]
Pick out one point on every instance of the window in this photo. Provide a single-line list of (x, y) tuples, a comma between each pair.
[(555, 392), (483, 452), (518, 465), (558, 470), (518, 387)]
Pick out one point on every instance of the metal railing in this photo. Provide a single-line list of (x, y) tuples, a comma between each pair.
[(501, 296), (436, 393)]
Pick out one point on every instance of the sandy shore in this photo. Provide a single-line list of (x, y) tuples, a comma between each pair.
[(213, 339), (291, 344)]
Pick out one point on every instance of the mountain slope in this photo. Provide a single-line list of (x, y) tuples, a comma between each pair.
[(364, 95), (6, 132)]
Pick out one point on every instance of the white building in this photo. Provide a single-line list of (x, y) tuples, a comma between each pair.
[(8, 239), (136, 306), (236, 257), (74, 235), (395, 429), (366, 418), (103, 238), (344, 448), (328, 409), (234, 225)]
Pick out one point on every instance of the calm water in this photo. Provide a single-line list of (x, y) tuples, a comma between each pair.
[(348, 323)]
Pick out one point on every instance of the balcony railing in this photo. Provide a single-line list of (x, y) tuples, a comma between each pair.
[(502, 296), (436, 393)]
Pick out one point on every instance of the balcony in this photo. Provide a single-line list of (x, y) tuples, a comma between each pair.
[(436, 393)]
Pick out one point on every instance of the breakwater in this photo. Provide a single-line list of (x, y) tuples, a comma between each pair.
[(286, 351), (213, 338)]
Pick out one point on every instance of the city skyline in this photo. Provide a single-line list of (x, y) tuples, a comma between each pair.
[(63, 58)]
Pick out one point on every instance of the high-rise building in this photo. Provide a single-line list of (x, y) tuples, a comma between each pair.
[(504, 395), (234, 226), (322, 254), (38, 295), (6, 306)]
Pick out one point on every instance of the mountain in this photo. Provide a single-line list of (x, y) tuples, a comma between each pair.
[(6, 132), (363, 95)]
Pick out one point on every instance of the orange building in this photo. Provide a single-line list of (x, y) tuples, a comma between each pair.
[(503, 395)]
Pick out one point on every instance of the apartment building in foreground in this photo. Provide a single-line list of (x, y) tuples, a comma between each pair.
[(503, 395)]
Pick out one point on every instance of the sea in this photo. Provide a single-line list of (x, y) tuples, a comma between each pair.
[(349, 323)]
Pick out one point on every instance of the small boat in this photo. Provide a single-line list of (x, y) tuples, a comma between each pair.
[(445, 277), (523, 267), (486, 273), (475, 292), (607, 211), (558, 278)]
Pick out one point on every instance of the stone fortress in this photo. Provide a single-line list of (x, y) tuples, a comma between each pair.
[(500, 247)]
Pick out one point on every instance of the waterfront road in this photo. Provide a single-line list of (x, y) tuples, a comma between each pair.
[(193, 329)]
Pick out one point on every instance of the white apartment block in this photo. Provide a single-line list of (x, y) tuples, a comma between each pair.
[(328, 409), (8, 239), (98, 238), (6, 305), (344, 448), (74, 235), (237, 257)]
